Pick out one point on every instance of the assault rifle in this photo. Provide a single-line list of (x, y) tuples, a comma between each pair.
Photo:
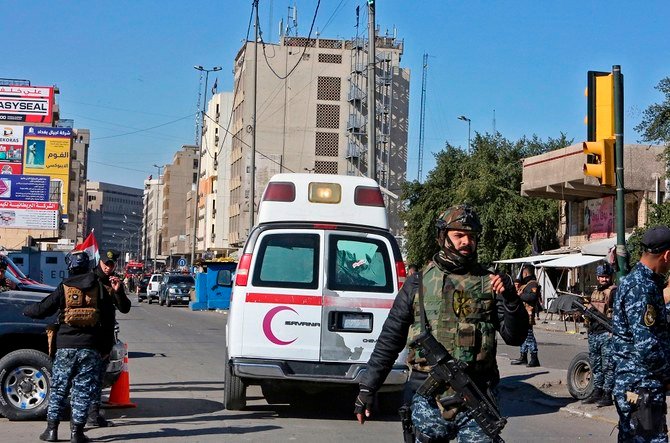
[(446, 370), (593, 315)]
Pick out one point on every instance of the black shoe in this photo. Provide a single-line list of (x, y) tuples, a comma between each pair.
[(77, 434), (51, 432), (522, 360), (98, 422), (595, 396), (534, 362), (605, 400)]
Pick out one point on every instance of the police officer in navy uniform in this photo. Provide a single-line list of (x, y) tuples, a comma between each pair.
[(81, 340), (529, 292), (641, 343), (466, 306)]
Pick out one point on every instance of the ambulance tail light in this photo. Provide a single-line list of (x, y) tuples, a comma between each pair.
[(242, 274), (400, 271), (368, 196), (279, 192)]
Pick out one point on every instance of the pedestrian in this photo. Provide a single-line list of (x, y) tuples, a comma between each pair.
[(467, 304), (529, 292), (600, 340), (5, 283), (113, 289), (83, 313), (641, 343)]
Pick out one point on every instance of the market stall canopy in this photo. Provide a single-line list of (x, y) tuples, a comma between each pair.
[(600, 247), (572, 261), (532, 259)]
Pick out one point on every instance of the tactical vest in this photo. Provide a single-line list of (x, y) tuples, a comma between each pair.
[(601, 301), (460, 310), (81, 307)]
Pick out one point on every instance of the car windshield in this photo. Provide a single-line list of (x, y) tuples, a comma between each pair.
[(181, 279)]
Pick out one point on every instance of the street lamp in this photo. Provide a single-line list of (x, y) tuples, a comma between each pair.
[(137, 228), (465, 119), (197, 182), (156, 218)]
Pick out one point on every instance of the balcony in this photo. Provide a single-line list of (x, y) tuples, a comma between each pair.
[(356, 94), (356, 123)]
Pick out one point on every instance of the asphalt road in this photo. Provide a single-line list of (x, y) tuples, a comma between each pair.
[(176, 376)]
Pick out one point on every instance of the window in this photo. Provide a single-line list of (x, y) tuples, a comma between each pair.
[(224, 278), (51, 260), (288, 261), (195, 163), (358, 264)]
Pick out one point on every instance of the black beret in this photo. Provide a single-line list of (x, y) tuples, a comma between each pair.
[(656, 240), (110, 255)]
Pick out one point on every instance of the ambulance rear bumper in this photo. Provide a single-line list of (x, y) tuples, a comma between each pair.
[(325, 372)]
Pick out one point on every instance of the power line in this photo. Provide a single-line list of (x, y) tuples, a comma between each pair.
[(145, 129)]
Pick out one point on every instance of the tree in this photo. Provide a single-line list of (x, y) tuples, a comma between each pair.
[(489, 178), (655, 124)]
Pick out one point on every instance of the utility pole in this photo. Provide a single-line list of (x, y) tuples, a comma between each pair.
[(372, 96), (252, 184), (618, 157), (422, 118)]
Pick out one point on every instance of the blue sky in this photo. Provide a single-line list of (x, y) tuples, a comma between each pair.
[(124, 66)]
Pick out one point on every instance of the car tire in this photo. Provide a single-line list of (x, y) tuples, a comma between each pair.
[(234, 389), (19, 370), (580, 383), (149, 300)]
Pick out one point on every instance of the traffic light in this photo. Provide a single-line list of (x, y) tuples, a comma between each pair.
[(600, 105), (600, 160)]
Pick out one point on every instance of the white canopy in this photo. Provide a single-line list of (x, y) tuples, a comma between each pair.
[(532, 258), (572, 261)]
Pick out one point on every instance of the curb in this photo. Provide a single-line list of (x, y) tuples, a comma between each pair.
[(576, 411)]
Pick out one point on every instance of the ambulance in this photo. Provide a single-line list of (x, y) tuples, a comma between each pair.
[(313, 287)]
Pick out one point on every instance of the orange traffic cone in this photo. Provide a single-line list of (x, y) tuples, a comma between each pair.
[(119, 397)]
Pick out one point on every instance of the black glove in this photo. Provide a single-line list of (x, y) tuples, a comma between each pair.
[(509, 294), (364, 400)]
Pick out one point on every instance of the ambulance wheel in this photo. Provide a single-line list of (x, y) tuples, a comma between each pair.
[(580, 383), (234, 389), (25, 382)]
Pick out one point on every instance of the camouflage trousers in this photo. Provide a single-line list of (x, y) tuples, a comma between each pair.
[(427, 420), (627, 431), (530, 345), (75, 372), (602, 365)]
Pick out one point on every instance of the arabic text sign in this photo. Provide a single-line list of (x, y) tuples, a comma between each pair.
[(26, 104), (30, 215), (599, 217), (11, 149), (24, 188)]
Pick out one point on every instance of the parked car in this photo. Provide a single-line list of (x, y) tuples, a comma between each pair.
[(141, 288), (176, 289), (25, 367), (153, 288)]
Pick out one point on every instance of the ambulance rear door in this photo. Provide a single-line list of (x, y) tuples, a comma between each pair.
[(360, 288), (282, 309)]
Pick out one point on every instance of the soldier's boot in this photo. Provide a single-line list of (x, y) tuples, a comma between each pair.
[(77, 433), (534, 362), (51, 432), (595, 396), (522, 360), (605, 400), (95, 419)]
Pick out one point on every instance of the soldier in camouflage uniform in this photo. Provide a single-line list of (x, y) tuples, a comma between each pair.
[(600, 340), (465, 305), (76, 366), (641, 343)]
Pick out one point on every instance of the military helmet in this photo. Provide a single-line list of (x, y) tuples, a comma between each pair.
[(77, 262), (461, 218), (604, 270)]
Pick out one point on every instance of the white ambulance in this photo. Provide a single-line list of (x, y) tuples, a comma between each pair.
[(314, 285)]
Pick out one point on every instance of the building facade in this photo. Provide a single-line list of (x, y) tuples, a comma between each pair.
[(315, 118), (152, 222), (115, 212)]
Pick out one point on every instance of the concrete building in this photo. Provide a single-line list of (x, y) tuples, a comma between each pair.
[(76, 229), (587, 209), (314, 119), (179, 180), (115, 212), (214, 200), (152, 222)]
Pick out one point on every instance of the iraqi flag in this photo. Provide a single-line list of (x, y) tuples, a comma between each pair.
[(90, 245)]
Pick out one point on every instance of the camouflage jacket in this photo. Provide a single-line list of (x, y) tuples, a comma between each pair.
[(508, 318), (641, 340)]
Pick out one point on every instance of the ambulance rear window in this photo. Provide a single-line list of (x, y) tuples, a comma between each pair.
[(288, 261), (359, 264)]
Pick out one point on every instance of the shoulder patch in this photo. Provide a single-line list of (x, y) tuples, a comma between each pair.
[(534, 289), (650, 316)]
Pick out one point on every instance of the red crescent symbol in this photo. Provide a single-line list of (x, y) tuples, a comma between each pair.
[(267, 325)]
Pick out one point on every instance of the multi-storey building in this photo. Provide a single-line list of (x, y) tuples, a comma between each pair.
[(152, 222), (311, 116), (76, 228), (115, 212)]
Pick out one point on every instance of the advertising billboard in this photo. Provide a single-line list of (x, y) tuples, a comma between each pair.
[(11, 149), (47, 153), (599, 218), (24, 188), (32, 104), (28, 215)]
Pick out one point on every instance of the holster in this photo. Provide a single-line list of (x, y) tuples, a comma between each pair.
[(648, 417)]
